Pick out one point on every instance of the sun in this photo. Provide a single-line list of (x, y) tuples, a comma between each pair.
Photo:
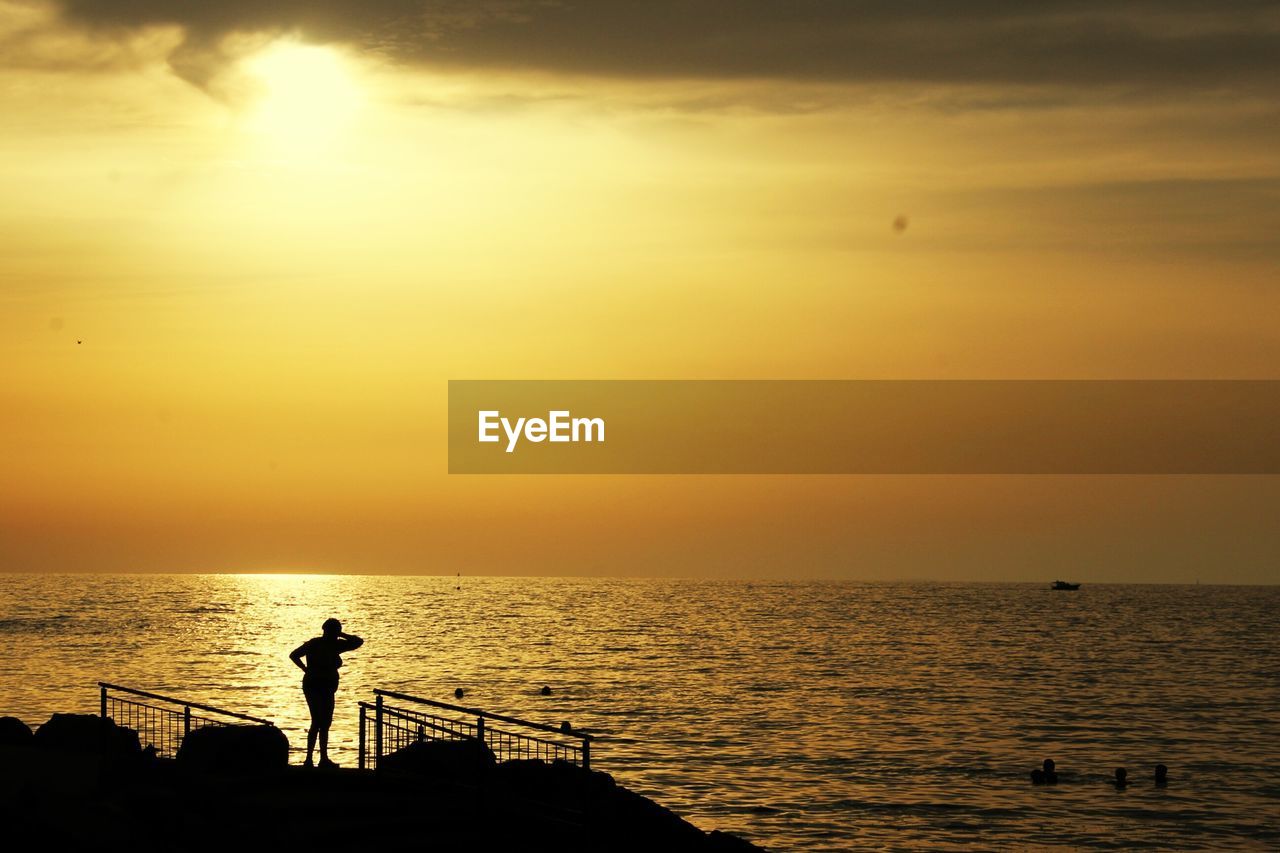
[(307, 95)]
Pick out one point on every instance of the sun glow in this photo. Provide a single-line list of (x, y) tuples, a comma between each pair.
[(308, 95)]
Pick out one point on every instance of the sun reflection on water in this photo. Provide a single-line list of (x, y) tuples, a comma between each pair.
[(796, 713)]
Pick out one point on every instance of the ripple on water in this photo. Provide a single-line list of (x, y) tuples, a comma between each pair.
[(803, 715)]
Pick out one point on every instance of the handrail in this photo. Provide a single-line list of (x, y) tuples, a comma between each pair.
[(572, 732), (210, 708), (504, 741), (406, 715)]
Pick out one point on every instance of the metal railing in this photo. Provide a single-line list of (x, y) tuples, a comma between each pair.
[(394, 727), (162, 726)]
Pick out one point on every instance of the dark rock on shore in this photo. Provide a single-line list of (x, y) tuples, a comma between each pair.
[(558, 780), (14, 732), (77, 800), (604, 815), (87, 733), (464, 760), (234, 749), (724, 842), (619, 817)]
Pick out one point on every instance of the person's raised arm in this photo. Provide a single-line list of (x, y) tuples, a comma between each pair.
[(296, 656), (353, 642)]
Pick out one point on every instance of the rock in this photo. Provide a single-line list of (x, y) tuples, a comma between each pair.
[(460, 759), (620, 819), (87, 733), (723, 842), (642, 822), (560, 782), (14, 732), (240, 749)]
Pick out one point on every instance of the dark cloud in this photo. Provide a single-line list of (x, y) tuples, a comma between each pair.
[(1175, 43)]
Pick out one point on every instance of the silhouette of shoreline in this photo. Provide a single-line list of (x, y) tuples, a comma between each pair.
[(82, 781)]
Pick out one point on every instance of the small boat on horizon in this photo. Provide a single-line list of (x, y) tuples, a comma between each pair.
[(1065, 585)]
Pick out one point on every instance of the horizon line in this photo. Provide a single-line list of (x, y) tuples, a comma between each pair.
[(730, 579)]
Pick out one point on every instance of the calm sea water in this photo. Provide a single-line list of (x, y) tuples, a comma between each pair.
[(800, 715)]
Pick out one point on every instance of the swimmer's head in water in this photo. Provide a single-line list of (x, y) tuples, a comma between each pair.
[(331, 627)]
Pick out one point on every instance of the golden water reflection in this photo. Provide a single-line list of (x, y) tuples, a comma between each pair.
[(799, 714)]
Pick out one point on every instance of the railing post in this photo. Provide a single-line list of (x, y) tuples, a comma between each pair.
[(102, 707), (505, 744), (377, 732), (363, 715), (186, 721)]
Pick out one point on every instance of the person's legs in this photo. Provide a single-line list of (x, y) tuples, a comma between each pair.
[(315, 704), (326, 703)]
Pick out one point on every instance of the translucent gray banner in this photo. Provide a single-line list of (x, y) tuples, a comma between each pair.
[(864, 427)]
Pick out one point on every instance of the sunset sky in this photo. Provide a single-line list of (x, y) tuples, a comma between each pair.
[(245, 244)]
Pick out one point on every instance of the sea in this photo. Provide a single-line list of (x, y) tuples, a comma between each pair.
[(799, 715)]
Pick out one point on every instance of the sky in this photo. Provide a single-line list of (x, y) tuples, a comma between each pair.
[(244, 245)]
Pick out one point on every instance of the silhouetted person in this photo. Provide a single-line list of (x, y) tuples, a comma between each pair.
[(320, 681), (1046, 775), (1122, 778), (1162, 775)]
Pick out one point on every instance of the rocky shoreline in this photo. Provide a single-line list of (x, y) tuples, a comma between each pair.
[(81, 780)]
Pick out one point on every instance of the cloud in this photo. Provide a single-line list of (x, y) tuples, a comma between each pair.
[(32, 39), (1166, 45)]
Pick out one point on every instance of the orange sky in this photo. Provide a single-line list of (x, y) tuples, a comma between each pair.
[(278, 238)]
